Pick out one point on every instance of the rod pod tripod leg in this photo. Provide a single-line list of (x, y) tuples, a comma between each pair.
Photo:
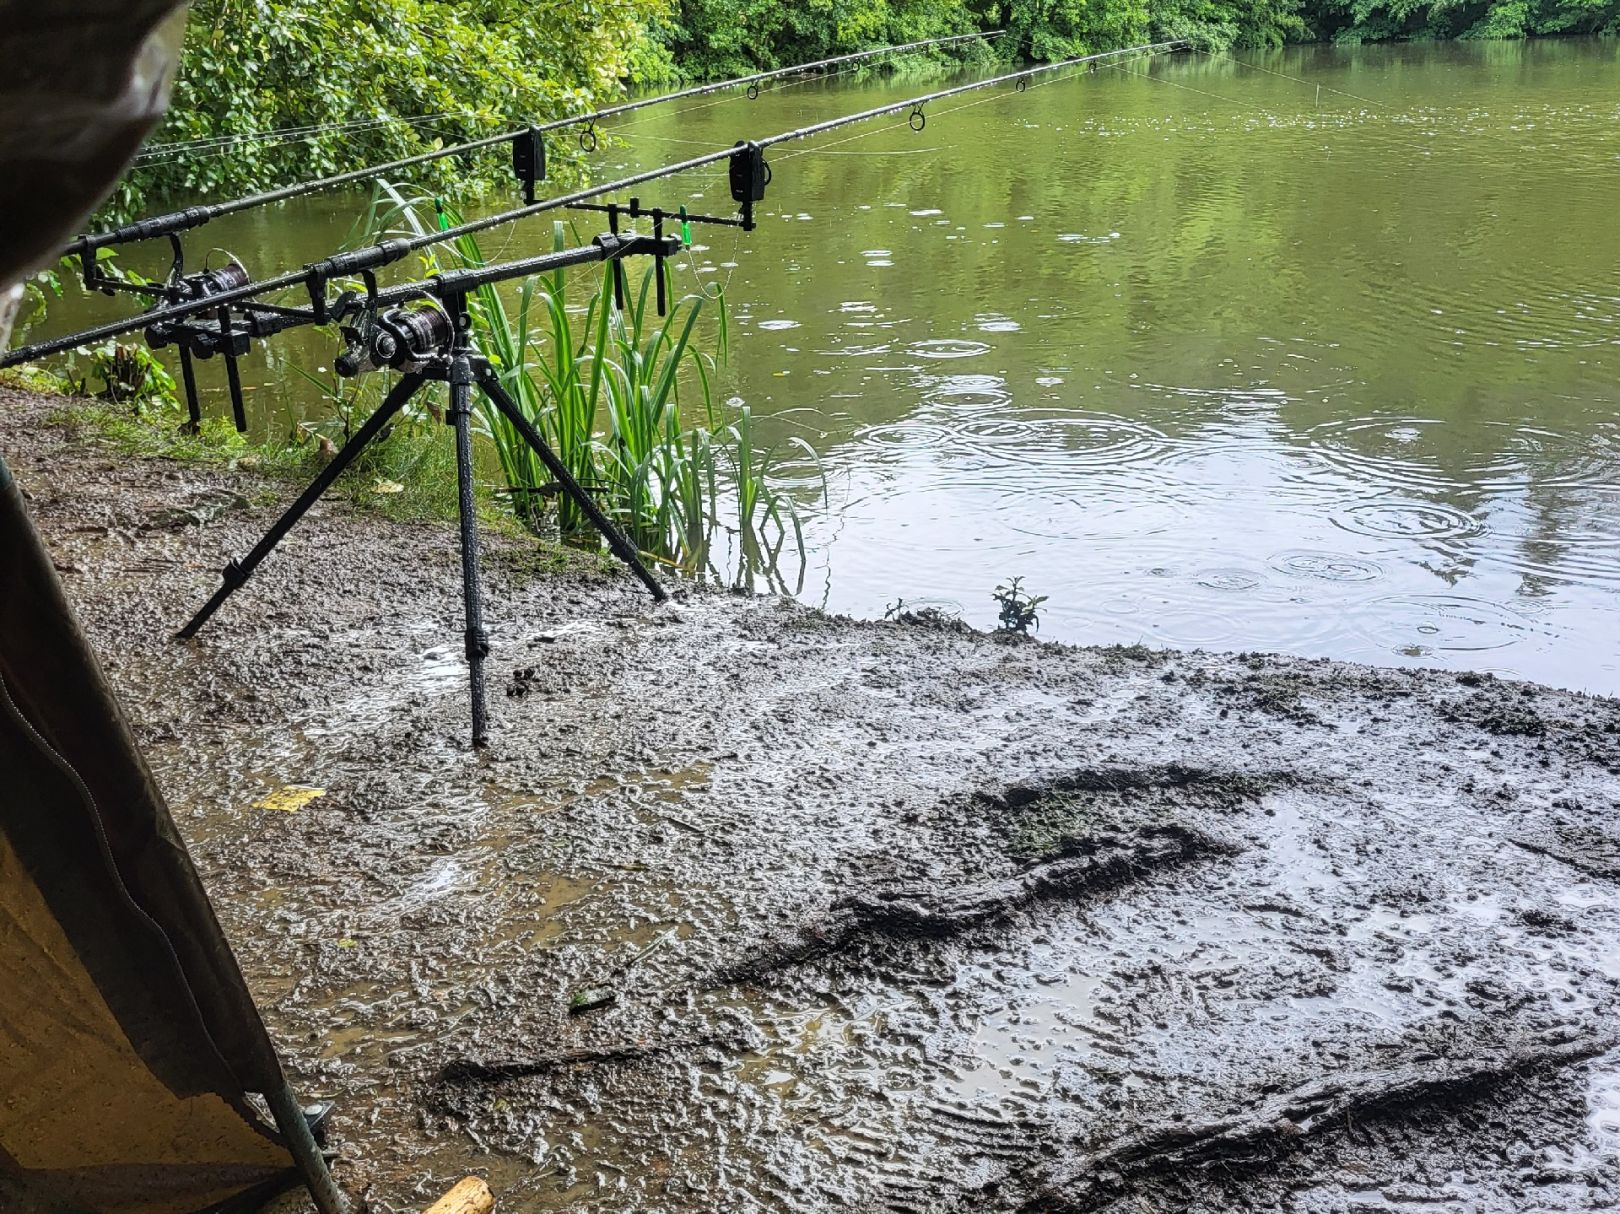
[(477, 639), (462, 374), (238, 571), (233, 373), (188, 376)]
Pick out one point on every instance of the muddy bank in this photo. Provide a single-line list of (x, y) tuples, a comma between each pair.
[(749, 908)]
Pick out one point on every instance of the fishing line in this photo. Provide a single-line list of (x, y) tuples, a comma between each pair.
[(295, 133), (703, 287), (719, 289), (825, 150), (222, 151), (888, 152), (812, 76), (1327, 88), (1248, 107), (192, 217), (631, 136)]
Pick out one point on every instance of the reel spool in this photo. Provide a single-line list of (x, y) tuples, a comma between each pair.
[(203, 340), (205, 283), (403, 338)]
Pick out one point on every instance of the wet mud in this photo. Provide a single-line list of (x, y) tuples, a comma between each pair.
[(750, 908)]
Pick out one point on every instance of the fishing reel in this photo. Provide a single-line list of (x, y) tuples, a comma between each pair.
[(402, 338), (205, 283), (202, 337)]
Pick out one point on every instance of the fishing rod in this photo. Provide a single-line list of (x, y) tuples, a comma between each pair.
[(749, 175), (528, 154)]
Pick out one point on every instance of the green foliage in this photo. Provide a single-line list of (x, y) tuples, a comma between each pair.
[(1351, 21), (120, 374), (408, 472), (373, 80), (162, 434), (713, 38), (46, 286), (408, 475), (1047, 30), (38, 291), (1020, 610), (130, 375), (1222, 25)]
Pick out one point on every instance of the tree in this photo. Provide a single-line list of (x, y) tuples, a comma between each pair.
[(363, 81)]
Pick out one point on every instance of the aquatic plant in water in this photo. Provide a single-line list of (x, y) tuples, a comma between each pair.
[(604, 385)]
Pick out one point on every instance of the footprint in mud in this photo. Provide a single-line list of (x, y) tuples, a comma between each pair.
[(199, 509)]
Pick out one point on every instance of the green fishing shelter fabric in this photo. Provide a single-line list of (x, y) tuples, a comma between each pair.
[(84, 81), (127, 1037)]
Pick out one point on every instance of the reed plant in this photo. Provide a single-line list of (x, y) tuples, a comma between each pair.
[(627, 400)]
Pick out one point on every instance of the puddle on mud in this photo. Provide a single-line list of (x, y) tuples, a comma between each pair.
[(1603, 1101)]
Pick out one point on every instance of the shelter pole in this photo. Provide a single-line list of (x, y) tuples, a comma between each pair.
[(294, 1127)]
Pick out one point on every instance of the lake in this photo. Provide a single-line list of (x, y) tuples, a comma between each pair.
[(1312, 351)]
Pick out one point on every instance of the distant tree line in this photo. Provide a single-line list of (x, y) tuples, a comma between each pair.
[(717, 38)]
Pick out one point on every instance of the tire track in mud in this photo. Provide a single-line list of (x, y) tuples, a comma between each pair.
[(1168, 1165), (1071, 838), (912, 912)]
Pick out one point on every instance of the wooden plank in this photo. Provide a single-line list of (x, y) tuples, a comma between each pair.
[(471, 1196)]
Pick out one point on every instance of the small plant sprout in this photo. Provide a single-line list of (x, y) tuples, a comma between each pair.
[(1019, 609)]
